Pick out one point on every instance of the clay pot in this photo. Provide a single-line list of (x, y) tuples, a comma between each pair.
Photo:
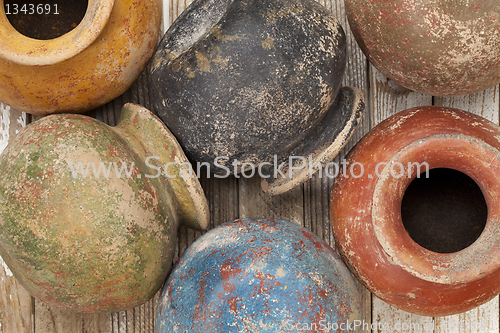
[(84, 68), (369, 211), (259, 275), (94, 243), (440, 48), (244, 84)]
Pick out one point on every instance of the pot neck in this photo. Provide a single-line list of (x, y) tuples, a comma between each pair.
[(23, 50), (158, 149)]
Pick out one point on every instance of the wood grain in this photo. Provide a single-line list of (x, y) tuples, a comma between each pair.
[(484, 318), (317, 191), (16, 305), (387, 318)]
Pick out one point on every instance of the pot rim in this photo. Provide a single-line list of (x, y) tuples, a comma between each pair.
[(463, 153), (323, 143), (23, 50)]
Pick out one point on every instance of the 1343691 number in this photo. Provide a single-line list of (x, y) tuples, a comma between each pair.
[(30, 9)]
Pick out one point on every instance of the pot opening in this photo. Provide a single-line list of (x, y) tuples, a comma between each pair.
[(46, 20), (445, 212)]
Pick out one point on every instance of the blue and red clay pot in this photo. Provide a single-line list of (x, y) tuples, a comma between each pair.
[(259, 275)]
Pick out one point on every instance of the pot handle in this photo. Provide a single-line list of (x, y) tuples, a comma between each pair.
[(157, 148)]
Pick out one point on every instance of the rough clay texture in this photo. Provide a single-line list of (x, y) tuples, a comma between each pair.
[(366, 212), (258, 275), (248, 79), (30, 81), (441, 47), (86, 244), (323, 145)]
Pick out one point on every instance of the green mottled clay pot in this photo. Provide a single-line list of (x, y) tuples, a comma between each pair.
[(94, 243)]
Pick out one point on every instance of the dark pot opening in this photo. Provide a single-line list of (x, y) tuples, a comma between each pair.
[(46, 20), (445, 212)]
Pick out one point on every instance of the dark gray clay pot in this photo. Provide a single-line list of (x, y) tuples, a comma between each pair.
[(256, 82)]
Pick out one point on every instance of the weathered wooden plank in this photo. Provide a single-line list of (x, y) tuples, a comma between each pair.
[(317, 191), (16, 305), (50, 320), (485, 103), (11, 122), (222, 197), (484, 318), (388, 98), (255, 203), (387, 318), (175, 8)]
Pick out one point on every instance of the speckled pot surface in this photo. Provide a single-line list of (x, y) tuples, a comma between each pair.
[(85, 67), (94, 243), (256, 81), (367, 219), (440, 48), (259, 275)]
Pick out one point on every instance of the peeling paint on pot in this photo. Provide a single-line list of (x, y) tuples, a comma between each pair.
[(84, 68), (259, 275), (91, 242), (366, 212), (441, 48), (251, 80)]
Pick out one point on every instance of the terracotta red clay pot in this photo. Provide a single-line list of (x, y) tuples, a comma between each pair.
[(440, 47), (94, 242), (366, 211)]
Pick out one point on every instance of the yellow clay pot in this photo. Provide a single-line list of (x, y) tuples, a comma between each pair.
[(87, 67)]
